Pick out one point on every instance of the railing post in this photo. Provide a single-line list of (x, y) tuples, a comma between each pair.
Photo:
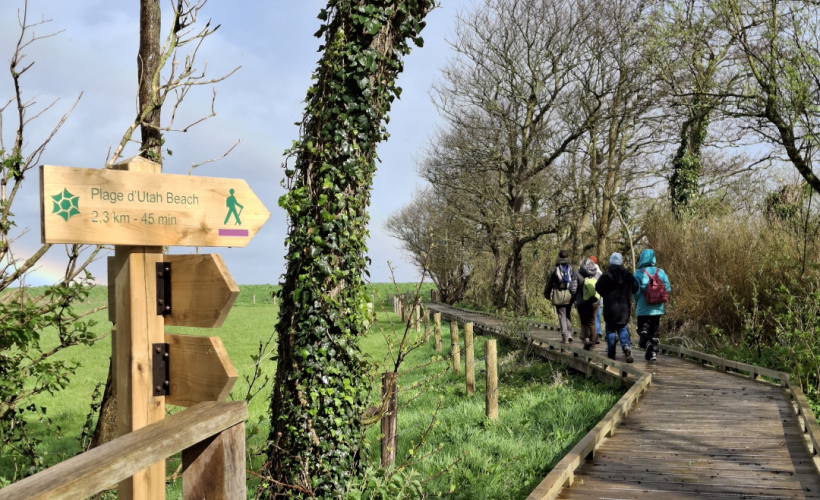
[(469, 358), (491, 406), (215, 468), (437, 331), (389, 419), (426, 325), (454, 350)]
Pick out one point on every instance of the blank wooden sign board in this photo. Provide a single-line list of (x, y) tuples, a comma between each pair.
[(140, 210)]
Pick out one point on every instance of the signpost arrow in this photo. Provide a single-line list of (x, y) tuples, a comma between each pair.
[(200, 370), (203, 290), (117, 207)]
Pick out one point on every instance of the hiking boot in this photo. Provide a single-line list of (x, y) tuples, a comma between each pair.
[(569, 339), (587, 344), (652, 351), (564, 340), (642, 343), (628, 354)]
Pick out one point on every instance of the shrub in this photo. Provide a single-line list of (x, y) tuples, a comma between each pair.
[(723, 267)]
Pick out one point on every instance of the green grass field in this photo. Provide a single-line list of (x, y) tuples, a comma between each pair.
[(544, 410)]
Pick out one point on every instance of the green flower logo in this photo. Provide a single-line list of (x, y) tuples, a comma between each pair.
[(65, 204)]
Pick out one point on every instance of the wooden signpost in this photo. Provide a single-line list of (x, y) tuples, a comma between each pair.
[(140, 207), (137, 208)]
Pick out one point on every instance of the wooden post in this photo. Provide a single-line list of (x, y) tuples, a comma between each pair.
[(418, 314), (254, 298), (427, 325), (437, 319), (389, 419), (469, 358), (403, 307), (492, 380), (137, 327), (454, 347), (215, 468)]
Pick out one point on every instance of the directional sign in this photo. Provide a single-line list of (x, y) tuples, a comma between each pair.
[(105, 206), (203, 290), (200, 370)]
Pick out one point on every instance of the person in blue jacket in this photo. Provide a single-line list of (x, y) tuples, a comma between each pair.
[(649, 315)]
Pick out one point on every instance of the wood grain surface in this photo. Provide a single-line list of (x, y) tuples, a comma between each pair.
[(117, 207)]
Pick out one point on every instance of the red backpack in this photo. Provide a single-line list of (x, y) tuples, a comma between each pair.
[(655, 290)]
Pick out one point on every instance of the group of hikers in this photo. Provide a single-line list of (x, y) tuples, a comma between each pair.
[(612, 293)]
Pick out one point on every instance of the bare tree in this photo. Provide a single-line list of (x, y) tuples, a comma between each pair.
[(437, 241), (777, 52), (509, 95), (28, 366)]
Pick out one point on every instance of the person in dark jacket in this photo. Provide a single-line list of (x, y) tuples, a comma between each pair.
[(586, 301), (560, 290), (649, 315), (617, 286)]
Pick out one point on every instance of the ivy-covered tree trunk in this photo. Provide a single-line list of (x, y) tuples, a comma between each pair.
[(687, 164), (320, 389)]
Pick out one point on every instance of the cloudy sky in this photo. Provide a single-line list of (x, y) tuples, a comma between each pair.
[(272, 41)]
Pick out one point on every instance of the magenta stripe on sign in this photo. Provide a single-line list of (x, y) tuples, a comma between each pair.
[(234, 232)]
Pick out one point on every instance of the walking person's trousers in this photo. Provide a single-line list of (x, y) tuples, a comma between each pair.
[(565, 320), (613, 335), (588, 314), (648, 333)]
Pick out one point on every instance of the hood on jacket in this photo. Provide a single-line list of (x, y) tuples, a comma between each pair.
[(619, 274), (562, 262), (647, 259), (588, 268)]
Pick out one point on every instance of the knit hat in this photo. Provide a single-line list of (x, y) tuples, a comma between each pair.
[(594, 259), (616, 259)]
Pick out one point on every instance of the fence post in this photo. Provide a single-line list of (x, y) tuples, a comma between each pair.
[(215, 468), (418, 314), (454, 347), (437, 331), (426, 325), (254, 298), (469, 358), (389, 420), (492, 380)]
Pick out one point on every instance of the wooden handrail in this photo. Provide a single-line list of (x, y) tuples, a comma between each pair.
[(726, 364), (104, 466)]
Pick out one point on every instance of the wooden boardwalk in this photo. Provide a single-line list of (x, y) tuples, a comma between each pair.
[(697, 432)]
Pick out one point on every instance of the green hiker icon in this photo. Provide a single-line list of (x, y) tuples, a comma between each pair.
[(231, 203)]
